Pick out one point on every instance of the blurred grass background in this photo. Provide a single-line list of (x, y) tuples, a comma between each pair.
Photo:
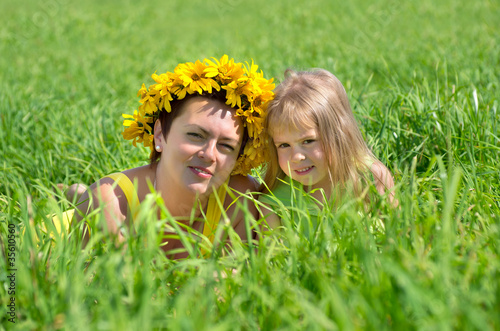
[(423, 79)]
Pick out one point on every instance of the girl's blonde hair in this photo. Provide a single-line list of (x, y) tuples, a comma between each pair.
[(318, 99)]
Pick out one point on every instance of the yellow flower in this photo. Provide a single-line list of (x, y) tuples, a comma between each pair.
[(224, 70), (150, 101), (179, 89), (235, 90), (164, 85), (163, 79), (148, 140), (256, 128), (137, 129), (265, 88), (255, 152), (251, 152), (251, 70), (142, 91), (193, 77)]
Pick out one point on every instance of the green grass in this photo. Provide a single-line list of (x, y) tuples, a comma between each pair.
[(423, 81)]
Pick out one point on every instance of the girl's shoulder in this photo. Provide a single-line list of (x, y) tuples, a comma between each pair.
[(291, 195), (243, 183), (241, 189), (283, 190), (381, 174), (382, 177)]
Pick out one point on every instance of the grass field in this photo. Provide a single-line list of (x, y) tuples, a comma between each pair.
[(424, 81)]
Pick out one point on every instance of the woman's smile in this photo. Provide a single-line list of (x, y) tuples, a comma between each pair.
[(201, 172)]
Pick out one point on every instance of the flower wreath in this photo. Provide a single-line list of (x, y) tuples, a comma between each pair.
[(246, 90)]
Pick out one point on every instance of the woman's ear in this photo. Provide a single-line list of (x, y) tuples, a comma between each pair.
[(158, 134)]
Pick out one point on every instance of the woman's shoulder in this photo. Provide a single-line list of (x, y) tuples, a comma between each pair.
[(140, 174), (110, 182), (116, 190), (104, 191), (106, 196)]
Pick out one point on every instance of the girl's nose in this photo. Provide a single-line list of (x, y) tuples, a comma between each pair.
[(208, 151), (297, 155)]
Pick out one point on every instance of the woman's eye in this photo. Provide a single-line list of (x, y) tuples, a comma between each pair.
[(195, 135), (228, 147)]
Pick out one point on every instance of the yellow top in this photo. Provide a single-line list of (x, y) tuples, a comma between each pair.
[(213, 214)]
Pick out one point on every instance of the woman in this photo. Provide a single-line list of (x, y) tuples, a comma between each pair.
[(205, 123)]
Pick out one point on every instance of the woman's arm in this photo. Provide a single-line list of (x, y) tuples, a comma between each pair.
[(106, 197)]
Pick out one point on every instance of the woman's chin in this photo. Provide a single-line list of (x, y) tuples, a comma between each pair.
[(200, 190), (204, 188)]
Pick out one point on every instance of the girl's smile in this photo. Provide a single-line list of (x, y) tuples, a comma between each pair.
[(304, 171)]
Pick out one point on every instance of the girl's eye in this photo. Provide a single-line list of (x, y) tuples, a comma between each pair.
[(284, 145), (308, 141)]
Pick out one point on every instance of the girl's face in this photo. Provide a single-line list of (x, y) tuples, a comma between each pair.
[(201, 148), (301, 156)]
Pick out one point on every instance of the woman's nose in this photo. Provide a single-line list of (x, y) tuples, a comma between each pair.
[(208, 151)]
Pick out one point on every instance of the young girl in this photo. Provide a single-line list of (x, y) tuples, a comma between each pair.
[(316, 142)]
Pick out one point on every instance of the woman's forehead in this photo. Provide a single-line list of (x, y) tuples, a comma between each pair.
[(211, 114), (210, 107)]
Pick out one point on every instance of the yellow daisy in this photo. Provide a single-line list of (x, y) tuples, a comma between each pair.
[(224, 70), (235, 90), (138, 127), (193, 77)]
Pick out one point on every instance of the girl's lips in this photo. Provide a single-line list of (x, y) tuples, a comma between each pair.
[(304, 171), (201, 172)]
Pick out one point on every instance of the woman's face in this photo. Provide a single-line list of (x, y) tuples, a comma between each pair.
[(202, 147)]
